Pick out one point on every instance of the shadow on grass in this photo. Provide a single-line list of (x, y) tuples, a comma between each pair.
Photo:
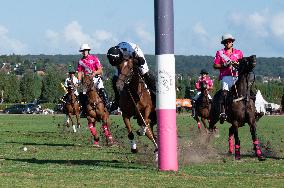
[(40, 144), (101, 163), (266, 156), (245, 156)]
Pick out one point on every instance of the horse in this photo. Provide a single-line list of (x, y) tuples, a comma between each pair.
[(135, 100), (240, 108), (96, 111), (72, 107), (203, 106)]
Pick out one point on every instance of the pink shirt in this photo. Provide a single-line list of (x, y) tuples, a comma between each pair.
[(222, 56), (207, 81), (91, 62)]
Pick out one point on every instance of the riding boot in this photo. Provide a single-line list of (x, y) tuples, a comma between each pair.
[(104, 97), (150, 81), (193, 108), (223, 115), (115, 103), (151, 84), (83, 103)]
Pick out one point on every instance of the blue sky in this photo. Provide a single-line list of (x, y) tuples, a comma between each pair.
[(60, 26)]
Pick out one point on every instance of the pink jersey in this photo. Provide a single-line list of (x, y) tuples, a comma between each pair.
[(222, 56), (207, 81), (89, 64)]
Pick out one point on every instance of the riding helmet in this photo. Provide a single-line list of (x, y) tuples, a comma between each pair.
[(227, 37), (114, 56), (204, 71), (71, 70)]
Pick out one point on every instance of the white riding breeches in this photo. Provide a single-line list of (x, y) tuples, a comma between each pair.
[(98, 82), (197, 95), (144, 68), (227, 82)]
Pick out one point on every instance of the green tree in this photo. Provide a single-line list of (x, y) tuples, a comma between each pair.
[(30, 87), (10, 85), (51, 89)]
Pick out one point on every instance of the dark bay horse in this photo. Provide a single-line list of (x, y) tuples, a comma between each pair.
[(240, 107), (96, 111), (203, 106), (72, 107), (135, 100)]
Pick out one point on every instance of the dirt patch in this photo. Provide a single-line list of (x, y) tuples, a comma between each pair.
[(198, 148)]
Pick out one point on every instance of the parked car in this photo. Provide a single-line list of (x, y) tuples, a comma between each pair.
[(22, 109)]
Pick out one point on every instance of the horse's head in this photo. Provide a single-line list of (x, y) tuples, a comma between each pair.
[(87, 83), (126, 73), (203, 86), (247, 64)]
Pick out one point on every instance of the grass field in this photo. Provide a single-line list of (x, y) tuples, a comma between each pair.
[(60, 158)]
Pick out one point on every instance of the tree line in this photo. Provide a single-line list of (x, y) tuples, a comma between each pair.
[(21, 82)]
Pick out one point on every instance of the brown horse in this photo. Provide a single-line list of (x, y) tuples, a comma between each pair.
[(203, 106), (72, 107), (96, 111), (135, 100), (240, 107)]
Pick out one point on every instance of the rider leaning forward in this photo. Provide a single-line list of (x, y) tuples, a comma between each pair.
[(225, 60), (203, 78), (126, 50), (90, 64)]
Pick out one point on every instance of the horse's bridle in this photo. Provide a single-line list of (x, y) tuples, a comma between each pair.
[(127, 77)]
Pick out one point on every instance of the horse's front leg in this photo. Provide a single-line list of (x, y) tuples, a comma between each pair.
[(204, 123), (198, 121), (237, 140), (255, 142), (77, 113), (146, 124), (106, 130), (72, 122), (130, 134), (92, 128), (230, 139)]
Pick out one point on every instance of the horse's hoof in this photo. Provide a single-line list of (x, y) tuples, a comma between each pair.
[(261, 158), (134, 150), (237, 158), (97, 146)]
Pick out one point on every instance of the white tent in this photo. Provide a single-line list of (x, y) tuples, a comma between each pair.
[(260, 102)]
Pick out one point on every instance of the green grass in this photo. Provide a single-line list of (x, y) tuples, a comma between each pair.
[(58, 158)]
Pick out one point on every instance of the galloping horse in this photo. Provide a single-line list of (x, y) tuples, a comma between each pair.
[(240, 107), (135, 100), (203, 106), (72, 106), (96, 111)]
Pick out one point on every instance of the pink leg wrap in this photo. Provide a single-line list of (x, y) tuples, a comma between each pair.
[(237, 152), (198, 125), (256, 142), (257, 148), (107, 132), (92, 129), (231, 144)]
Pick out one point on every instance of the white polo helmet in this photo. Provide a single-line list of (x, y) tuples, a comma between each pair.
[(226, 37), (84, 47)]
